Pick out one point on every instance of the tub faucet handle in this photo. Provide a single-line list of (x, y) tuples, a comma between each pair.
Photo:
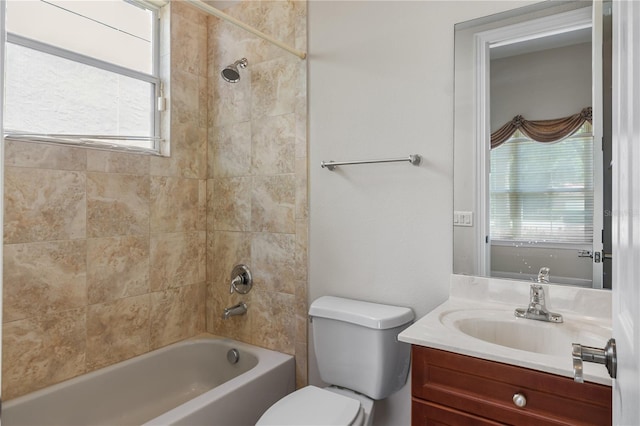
[(235, 282), (241, 280)]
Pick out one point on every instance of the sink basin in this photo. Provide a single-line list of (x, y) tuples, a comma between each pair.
[(501, 327)]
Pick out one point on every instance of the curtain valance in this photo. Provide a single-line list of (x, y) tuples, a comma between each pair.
[(541, 130)]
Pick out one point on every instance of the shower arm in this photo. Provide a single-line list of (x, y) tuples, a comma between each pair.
[(220, 14)]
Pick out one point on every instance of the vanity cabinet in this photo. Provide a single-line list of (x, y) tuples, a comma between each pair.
[(453, 389)]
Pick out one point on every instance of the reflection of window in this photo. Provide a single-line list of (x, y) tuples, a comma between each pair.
[(543, 192), (83, 71)]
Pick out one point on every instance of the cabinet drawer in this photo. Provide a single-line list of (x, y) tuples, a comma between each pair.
[(486, 389), (425, 413)]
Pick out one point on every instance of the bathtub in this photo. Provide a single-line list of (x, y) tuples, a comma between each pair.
[(187, 383)]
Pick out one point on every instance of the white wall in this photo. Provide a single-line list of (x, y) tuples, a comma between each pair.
[(542, 85), (381, 85)]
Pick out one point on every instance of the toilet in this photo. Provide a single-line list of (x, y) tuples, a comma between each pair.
[(358, 354)]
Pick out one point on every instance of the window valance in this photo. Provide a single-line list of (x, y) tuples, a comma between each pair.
[(541, 130)]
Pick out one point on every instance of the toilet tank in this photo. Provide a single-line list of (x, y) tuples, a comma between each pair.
[(356, 344)]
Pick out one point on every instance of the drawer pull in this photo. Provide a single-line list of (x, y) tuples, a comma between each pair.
[(520, 400)]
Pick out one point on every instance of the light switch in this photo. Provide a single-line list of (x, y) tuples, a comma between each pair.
[(461, 218)]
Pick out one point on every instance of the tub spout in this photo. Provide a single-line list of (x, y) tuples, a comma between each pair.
[(239, 309)]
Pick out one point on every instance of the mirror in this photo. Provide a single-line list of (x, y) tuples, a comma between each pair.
[(524, 204)]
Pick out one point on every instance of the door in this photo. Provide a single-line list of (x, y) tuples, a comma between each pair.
[(626, 210)]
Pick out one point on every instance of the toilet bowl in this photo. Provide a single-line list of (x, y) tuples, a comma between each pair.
[(357, 352)]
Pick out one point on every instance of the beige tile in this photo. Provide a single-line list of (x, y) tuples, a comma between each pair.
[(177, 259), (44, 156), (302, 327), (302, 306), (177, 314), (237, 327), (302, 247), (273, 85), (190, 13), (190, 44), (117, 204), (231, 150), (202, 205), (278, 20), (228, 43), (301, 364), (232, 103), (302, 189), (300, 24), (185, 102), (231, 206), (203, 104), (117, 331), (42, 278), (210, 205), (273, 262), (40, 351), (227, 250), (273, 321), (210, 257), (117, 267), (117, 162), (302, 145), (273, 145), (273, 203), (43, 205), (188, 153), (174, 204)]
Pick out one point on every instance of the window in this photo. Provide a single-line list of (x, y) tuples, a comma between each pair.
[(543, 192), (83, 72)]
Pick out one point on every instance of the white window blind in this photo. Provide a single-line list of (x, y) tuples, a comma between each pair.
[(543, 192)]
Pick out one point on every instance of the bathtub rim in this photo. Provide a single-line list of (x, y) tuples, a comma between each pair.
[(267, 359)]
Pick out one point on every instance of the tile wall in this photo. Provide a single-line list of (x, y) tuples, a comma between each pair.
[(110, 255), (104, 252), (257, 209)]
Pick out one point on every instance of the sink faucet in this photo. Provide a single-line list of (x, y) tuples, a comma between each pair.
[(239, 309), (537, 309)]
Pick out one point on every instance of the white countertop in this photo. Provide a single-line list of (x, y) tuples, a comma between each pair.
[(474, 297)]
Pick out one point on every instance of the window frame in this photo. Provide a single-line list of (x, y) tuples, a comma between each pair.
[(102, 141)]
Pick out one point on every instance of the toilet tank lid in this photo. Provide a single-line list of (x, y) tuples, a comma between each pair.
[(366, 314)]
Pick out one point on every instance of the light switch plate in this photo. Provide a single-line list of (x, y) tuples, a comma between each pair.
[(461, 218)]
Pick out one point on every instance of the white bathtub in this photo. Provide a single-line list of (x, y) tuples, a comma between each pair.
[(187, 383)]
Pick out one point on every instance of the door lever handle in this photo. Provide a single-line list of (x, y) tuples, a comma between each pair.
[(606, 356)]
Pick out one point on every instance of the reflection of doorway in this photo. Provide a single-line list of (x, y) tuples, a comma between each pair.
[(564, 25)]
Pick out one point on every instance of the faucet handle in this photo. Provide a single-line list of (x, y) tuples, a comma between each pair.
[(241, 280), (543, 275)]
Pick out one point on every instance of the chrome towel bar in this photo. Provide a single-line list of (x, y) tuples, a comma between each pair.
[(414, 159)]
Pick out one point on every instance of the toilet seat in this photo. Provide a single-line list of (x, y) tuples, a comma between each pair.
[(312, 406)]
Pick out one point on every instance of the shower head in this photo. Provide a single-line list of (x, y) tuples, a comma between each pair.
[(231, 74)]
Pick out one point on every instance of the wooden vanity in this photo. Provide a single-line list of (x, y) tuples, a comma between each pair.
[(453, 389)]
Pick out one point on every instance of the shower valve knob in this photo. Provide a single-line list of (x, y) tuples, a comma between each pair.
[(241, 280)]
